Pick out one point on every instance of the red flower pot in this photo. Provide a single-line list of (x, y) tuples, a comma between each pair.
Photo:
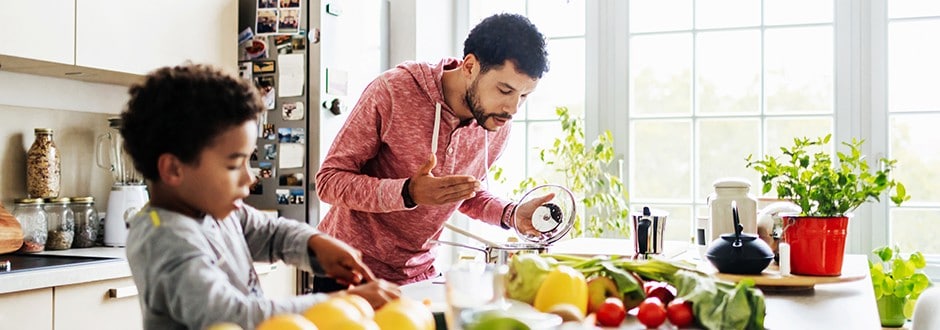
[(817, 244)]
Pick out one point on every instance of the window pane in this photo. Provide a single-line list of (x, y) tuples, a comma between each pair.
[(728, 72), (660, 15), (913, 66), (542, 136), (778, 12), (558, 18), (782, 131), (661, 160), (722, 146), (913, 8), (798, 70), (916, 229), (914, 142), (512, 162), (661, 75), (563, 85), (480, 9), (711, 14)]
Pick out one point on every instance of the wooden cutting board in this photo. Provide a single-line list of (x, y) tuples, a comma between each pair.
[(11, 234)]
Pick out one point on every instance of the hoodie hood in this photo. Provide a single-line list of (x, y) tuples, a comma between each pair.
[(429, 77)]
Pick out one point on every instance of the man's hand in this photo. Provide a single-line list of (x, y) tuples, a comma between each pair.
[(426, 189), (340, 261), (377, 293), (524, 214)]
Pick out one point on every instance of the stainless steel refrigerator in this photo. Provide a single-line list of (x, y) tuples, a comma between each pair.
[(310, 60)]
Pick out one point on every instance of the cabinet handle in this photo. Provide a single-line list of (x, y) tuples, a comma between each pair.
[(118, 293), (264, 269)]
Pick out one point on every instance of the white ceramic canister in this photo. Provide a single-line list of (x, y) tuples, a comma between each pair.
[(719, 206)]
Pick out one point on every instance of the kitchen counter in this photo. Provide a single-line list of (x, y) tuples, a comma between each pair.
[(71, 274)]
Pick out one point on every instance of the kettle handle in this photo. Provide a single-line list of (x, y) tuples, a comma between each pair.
[(98, 150)]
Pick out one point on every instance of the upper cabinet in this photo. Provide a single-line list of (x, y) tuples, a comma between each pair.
[(115, 41), (138, 36), (43, 32)]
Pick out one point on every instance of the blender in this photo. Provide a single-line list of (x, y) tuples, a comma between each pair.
[(128, 193)]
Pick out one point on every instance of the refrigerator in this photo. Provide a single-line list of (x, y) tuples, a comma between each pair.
[(310, 61)]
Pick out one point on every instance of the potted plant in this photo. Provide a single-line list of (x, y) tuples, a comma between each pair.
[(826, 192), (898, 282), (585, 171)]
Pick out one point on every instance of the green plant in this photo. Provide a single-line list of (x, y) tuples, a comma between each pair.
[(894, 276), (586, 174), (822, 187)]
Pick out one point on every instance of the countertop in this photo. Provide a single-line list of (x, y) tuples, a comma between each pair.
[(67, 275)]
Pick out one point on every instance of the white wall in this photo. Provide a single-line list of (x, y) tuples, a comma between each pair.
[(421, 30)]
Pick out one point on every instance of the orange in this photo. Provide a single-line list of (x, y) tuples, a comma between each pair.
[(364, 324), (363, 305), (332, 311), (286, 322), (405, 314)]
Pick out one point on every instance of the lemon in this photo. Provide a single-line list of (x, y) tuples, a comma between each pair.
[(563, 285), (286, 322), (363, 305), (225, 326), (332, 311), (364, 324), (405, 314)]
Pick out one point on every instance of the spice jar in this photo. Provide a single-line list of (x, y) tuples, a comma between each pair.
[(86, 221), (42, 166), (61, 223), (32, 219)]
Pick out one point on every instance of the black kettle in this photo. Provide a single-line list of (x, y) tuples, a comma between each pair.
[(739, 253)]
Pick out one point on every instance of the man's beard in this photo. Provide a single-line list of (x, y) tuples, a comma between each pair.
[(479, 114)]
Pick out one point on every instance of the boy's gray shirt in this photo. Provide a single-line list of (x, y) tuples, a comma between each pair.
[(191, 273)]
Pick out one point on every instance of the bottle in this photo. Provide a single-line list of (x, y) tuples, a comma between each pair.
[(61, 223), (86, 221), (32, 219), (719, 207), (42, 166)]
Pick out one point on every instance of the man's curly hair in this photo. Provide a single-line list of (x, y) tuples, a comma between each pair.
[(181, 110), (511, 37)]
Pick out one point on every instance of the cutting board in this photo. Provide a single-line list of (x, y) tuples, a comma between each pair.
[(772, 278), (11, 234)]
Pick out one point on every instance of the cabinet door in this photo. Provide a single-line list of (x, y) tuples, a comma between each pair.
[(139, 36), (36, 31), (278, 280), (26, 310), (100, 305)]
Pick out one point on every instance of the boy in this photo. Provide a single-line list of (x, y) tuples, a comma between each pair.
[(190, 131)]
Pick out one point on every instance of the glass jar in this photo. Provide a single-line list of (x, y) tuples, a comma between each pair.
[(61, 223), (86, 221), (42, 166), (32, 218)]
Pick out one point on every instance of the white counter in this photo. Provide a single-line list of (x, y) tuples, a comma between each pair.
[(71, 274)]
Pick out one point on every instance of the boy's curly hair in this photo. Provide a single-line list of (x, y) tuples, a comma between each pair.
[(180, 110), (504, 37)]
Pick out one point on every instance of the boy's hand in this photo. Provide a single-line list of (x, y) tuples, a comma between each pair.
[(377, 292), (426, 189), (340, 261)]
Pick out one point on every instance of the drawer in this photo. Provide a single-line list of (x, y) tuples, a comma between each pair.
[(99, 305)]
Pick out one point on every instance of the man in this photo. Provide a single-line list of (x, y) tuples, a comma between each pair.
[(417, 144)]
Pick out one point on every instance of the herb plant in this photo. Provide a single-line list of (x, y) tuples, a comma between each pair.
[(893, 275), (586, 173), (821, 186)]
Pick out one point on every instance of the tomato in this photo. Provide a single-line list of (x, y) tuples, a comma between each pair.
[(664, 291), (651, 312), (679, 313), (611, 313)]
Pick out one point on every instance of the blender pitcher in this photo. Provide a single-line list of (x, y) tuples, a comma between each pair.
[(128, 193)]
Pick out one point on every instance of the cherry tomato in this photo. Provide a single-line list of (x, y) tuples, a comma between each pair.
[(679, 313), (611, 313), (664, 291), (651, 312)]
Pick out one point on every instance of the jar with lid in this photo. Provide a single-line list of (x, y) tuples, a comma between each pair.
[(61, 223), (42, 166), (86, 221), (719, 207), (32, 218)]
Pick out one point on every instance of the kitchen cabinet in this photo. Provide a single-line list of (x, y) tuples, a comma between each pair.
[(99, 305), (278, 280), (31, 309), (139, 36), (43, 32)]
